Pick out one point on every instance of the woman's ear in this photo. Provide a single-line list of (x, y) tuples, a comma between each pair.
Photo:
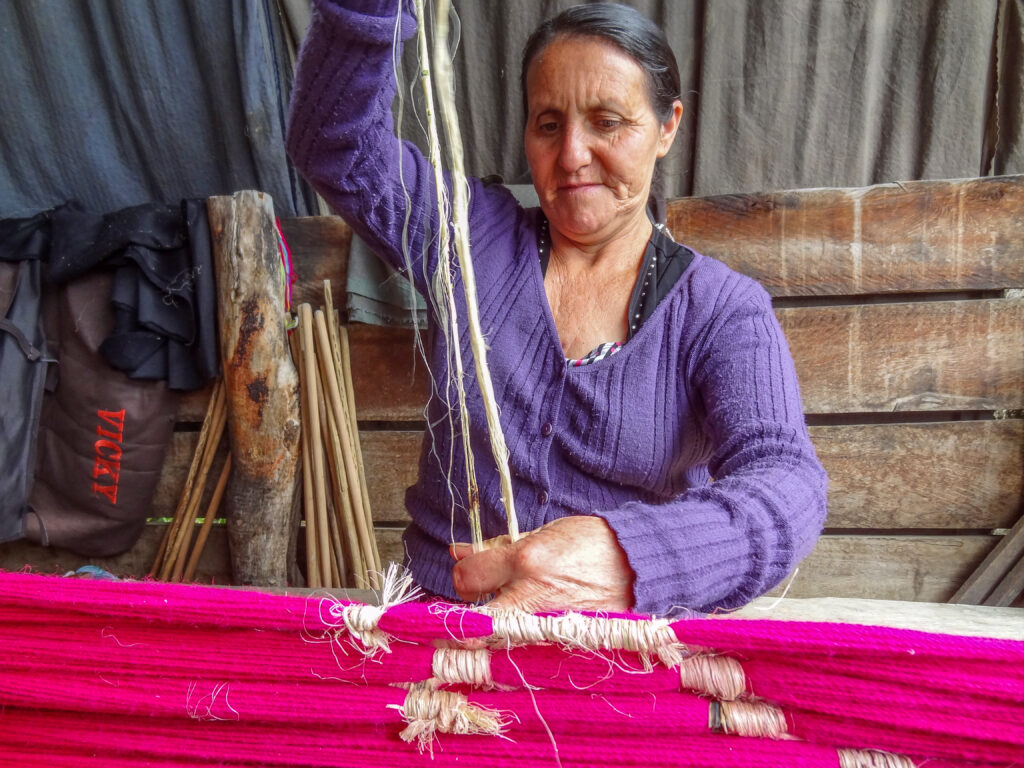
[(669, 128)]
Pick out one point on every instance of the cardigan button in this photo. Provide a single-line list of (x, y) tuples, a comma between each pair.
[(545, 430), (542, 497)]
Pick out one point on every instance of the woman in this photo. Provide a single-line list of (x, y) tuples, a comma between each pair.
[(686, 374)]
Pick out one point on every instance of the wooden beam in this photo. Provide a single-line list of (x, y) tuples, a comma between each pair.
[(993, 569), (912, 236), (319, 246), (963, 620), (1010, 588), (922, 356), (960, 474), (942, 355), (907, 237), (955, 475), (917, 568), (261, 384)]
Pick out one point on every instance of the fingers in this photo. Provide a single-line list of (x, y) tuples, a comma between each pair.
[(477, 575), (570, 563), (461, 549)]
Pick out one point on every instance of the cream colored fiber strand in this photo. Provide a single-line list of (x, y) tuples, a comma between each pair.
[(443, 276), (460, 223)]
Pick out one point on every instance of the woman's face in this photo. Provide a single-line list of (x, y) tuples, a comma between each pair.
[(592, 137)]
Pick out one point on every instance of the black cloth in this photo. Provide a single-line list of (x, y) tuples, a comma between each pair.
[(23, 369), (163, 292)]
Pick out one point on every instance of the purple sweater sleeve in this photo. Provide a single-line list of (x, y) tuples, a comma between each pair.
[(721, 545), (341, 133)]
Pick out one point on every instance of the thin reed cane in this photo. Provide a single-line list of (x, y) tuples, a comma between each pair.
[(347, 455), (171, 531), (308, 508), (333, 568), (184, 518), (338, 336), (189, 523), (211, 513), (343, 515), (346, 367), (315, 438)]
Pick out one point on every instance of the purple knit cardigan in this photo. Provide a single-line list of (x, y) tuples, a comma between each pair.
[(706, 389)]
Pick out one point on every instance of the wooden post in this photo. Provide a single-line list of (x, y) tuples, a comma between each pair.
[(262, 387)]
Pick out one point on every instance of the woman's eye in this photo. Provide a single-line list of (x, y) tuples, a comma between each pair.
[(608, 123), (548, 128)]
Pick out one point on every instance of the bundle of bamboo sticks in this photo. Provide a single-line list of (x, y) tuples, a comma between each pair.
[(340, 547), (174, 561)]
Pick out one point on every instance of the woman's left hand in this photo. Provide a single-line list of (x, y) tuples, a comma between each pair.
[(570, 563)]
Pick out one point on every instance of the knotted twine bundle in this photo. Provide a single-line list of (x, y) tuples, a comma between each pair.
[(130, 674)]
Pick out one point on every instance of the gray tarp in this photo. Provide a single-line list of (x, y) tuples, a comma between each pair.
[(781, 94), (121, 102)]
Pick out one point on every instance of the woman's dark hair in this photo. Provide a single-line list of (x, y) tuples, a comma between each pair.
[(624, 27)]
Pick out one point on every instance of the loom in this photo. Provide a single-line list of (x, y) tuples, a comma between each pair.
[(146, 673)]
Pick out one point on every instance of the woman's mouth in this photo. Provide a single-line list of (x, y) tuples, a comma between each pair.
[(577, 186)]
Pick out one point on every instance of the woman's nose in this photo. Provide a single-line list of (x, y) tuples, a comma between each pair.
[(575, 150)]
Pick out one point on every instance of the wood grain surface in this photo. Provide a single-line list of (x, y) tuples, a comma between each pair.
[(914, 356), (261, 384), (913, 236), (920, 356), (955, 475), (1000, 576), (938, 475)]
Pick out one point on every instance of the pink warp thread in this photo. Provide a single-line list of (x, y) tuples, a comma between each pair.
[(134, 674)]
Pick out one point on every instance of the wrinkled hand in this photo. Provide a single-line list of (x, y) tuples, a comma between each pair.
[(571, 563)]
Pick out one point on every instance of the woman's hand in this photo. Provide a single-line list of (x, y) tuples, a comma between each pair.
[(570, 563)]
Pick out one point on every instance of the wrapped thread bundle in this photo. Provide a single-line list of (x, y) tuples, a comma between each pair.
[(120, 674)]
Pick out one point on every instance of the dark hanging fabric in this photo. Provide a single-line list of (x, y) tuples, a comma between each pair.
[(82, 241), (206, 344), (163, 292), (164, 300), (25, 239), (23, 369)]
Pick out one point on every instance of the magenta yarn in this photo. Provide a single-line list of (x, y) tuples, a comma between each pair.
[(142, 673)]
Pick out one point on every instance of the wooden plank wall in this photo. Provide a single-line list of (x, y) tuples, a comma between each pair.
[(902, 307)]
